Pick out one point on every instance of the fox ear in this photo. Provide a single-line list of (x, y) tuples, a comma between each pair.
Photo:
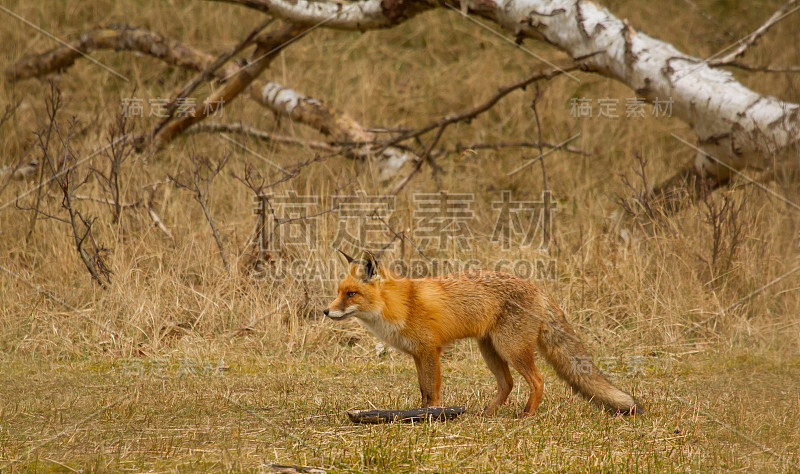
[(370, 266), (347, 257)]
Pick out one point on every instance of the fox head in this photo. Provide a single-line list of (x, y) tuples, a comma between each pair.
[(359, 291)]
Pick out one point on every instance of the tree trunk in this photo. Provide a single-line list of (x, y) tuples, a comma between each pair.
[(735, 126)]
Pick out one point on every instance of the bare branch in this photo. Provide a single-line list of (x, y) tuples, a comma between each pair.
[(732, 122), (641, 201), (9, 112), (343, 129), (208, 72), (255, 249), (502, 91), (352, 138), (777, 69), (541, 149), (545, 190), (724, 219), (210, 126), (65, 176), (467, 115), (52, 105), (123, 38), (117, 153), (269, 45), (203, 174), (359, 15), (418, 165), (170, 51), (152, 213), (747, 42), (522, 144)]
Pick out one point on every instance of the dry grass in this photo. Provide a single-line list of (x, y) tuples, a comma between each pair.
[(156, 373)]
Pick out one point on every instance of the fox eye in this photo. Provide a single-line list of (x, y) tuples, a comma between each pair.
[(351, 294)]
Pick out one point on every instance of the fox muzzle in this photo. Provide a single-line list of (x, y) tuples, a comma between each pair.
[(337, 315)]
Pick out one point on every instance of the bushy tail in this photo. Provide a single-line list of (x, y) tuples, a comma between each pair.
[(563, 349)]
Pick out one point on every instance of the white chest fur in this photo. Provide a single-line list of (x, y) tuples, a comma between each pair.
[(387, 331)]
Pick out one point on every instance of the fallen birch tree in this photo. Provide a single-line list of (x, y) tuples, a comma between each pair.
[(735, 127), (347, 135)]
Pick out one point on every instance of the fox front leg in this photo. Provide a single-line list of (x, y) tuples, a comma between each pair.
[(429, 375)]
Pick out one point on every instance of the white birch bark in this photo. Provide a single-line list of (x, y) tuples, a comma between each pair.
[(339, 125), (736, 126), (282, 100)]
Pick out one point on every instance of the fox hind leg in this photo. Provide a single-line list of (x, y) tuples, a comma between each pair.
[(499, 368), (524, 363)]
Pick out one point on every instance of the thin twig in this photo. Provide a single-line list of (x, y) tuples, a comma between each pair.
[(117, 153), (543, 155), (425, 157), (402, 236), (776, 69), (64, 173), (209, 71), (545, 190), (708, 17), (536, 97), (467, 115), (521, 144), (211, 126), (9, 112), (748, 41), (470, 114), (52, 104), (269, 45), (199, 186), (110, 202)]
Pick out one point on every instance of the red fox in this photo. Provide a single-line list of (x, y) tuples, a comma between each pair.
[(509, 316)]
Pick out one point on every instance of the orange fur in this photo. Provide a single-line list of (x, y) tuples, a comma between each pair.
[(510, 318)]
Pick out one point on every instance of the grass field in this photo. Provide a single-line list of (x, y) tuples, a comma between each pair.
[(180, 365)]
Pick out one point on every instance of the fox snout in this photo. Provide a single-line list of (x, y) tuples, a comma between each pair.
[(337, 314)]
